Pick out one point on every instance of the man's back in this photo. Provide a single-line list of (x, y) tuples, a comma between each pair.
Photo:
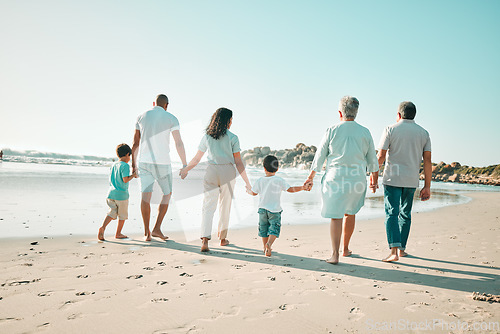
[(155, 126), (405, 142)]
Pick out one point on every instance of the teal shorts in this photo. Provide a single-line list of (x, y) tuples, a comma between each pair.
[(269, 223)]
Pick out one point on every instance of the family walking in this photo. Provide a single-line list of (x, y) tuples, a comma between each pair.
[(346, 147)]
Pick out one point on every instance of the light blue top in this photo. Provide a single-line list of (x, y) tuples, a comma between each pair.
[(349, 152), (118, 189), (220, 151)]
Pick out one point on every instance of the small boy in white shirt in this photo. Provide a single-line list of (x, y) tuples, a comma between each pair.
[(269, 188)]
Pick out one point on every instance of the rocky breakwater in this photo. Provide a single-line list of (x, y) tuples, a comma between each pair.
[(300, 157), (455, 172)]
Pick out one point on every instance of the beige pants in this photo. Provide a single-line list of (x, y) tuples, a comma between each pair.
[(218, 185)]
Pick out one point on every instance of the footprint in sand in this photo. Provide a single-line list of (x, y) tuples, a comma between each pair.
[(162, 282), (158, 300), (82, 276), (85, 293), (44, 294), (148, 268), (134, 276), (355, 314), (22, 282), (162, 264), (186, 275)]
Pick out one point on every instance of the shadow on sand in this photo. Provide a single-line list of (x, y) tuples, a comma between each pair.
[(469, 281)]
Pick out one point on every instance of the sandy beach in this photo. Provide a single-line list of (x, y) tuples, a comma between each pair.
[(75, 284)]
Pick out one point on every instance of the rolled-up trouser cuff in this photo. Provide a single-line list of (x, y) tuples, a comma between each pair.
[(396, 244)]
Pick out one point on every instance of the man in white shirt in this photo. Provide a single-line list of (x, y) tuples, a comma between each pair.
[(152, 139), (405, 143)]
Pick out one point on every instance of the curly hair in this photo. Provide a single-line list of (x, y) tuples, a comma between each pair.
[(219, 123)]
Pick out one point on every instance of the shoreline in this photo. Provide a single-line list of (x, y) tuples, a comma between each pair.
[(74, 284)]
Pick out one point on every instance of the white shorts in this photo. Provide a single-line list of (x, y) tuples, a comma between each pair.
[(149, 173)]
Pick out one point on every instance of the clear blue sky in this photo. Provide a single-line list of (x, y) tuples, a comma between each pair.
[(74, 75)]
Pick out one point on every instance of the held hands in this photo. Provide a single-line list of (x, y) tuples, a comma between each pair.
[(248, 188), (308, 185), (183, 173)]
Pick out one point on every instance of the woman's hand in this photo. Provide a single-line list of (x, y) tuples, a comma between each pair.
[(183, 173), (308, 184)]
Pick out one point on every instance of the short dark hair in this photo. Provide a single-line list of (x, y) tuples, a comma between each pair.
[(271, 163), (122, 150), (407, 110), (161, 99)]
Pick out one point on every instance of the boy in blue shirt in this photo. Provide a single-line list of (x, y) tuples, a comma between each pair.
[(269, 188), (118, 192)]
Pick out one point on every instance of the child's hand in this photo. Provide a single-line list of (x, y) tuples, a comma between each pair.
[(135, 175)]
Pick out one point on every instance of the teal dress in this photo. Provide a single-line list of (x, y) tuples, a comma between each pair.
[(349, 152)]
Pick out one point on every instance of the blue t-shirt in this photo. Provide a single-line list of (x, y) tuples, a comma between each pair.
[(220, 151), (118, 189)]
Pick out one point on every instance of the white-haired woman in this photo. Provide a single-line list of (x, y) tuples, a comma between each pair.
[(349, 152)]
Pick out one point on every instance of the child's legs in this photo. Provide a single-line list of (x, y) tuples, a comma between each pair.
[(274, 226), (122, 215), (106, 222), (112, 214), (263, 226)]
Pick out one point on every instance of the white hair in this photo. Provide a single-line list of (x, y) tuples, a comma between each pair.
[(349, 107)]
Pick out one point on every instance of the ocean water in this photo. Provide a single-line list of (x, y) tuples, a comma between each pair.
[(39, 199)]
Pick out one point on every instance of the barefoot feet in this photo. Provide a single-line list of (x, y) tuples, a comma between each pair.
[(224, 242), (402, 253), (347, 252), (158, 234), (391, 258), (121, 236), (268, 250), (334, 259), (204, 245), (147, 237), (100, 235)]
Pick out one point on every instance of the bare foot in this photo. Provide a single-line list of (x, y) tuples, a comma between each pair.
[(402, 253), (224, 242), (334, 259), (204, 245), (267, 250), (346, 252), (160, 235), (391, 258), (121, 236), (147, 237), (100, 235)]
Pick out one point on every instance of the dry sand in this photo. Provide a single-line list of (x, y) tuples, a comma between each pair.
[(78, 285)]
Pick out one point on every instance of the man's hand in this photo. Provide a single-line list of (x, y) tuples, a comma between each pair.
[(425, 193), (183, 173)]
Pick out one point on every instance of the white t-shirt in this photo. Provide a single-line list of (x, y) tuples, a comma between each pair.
[(220, 151), (155, 126), (269, 189), (405, 143)]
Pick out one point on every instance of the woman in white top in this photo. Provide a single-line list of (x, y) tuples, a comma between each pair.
[(223, 152), (349, 152)]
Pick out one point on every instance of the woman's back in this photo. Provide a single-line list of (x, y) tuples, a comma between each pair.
[(220, 151)]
